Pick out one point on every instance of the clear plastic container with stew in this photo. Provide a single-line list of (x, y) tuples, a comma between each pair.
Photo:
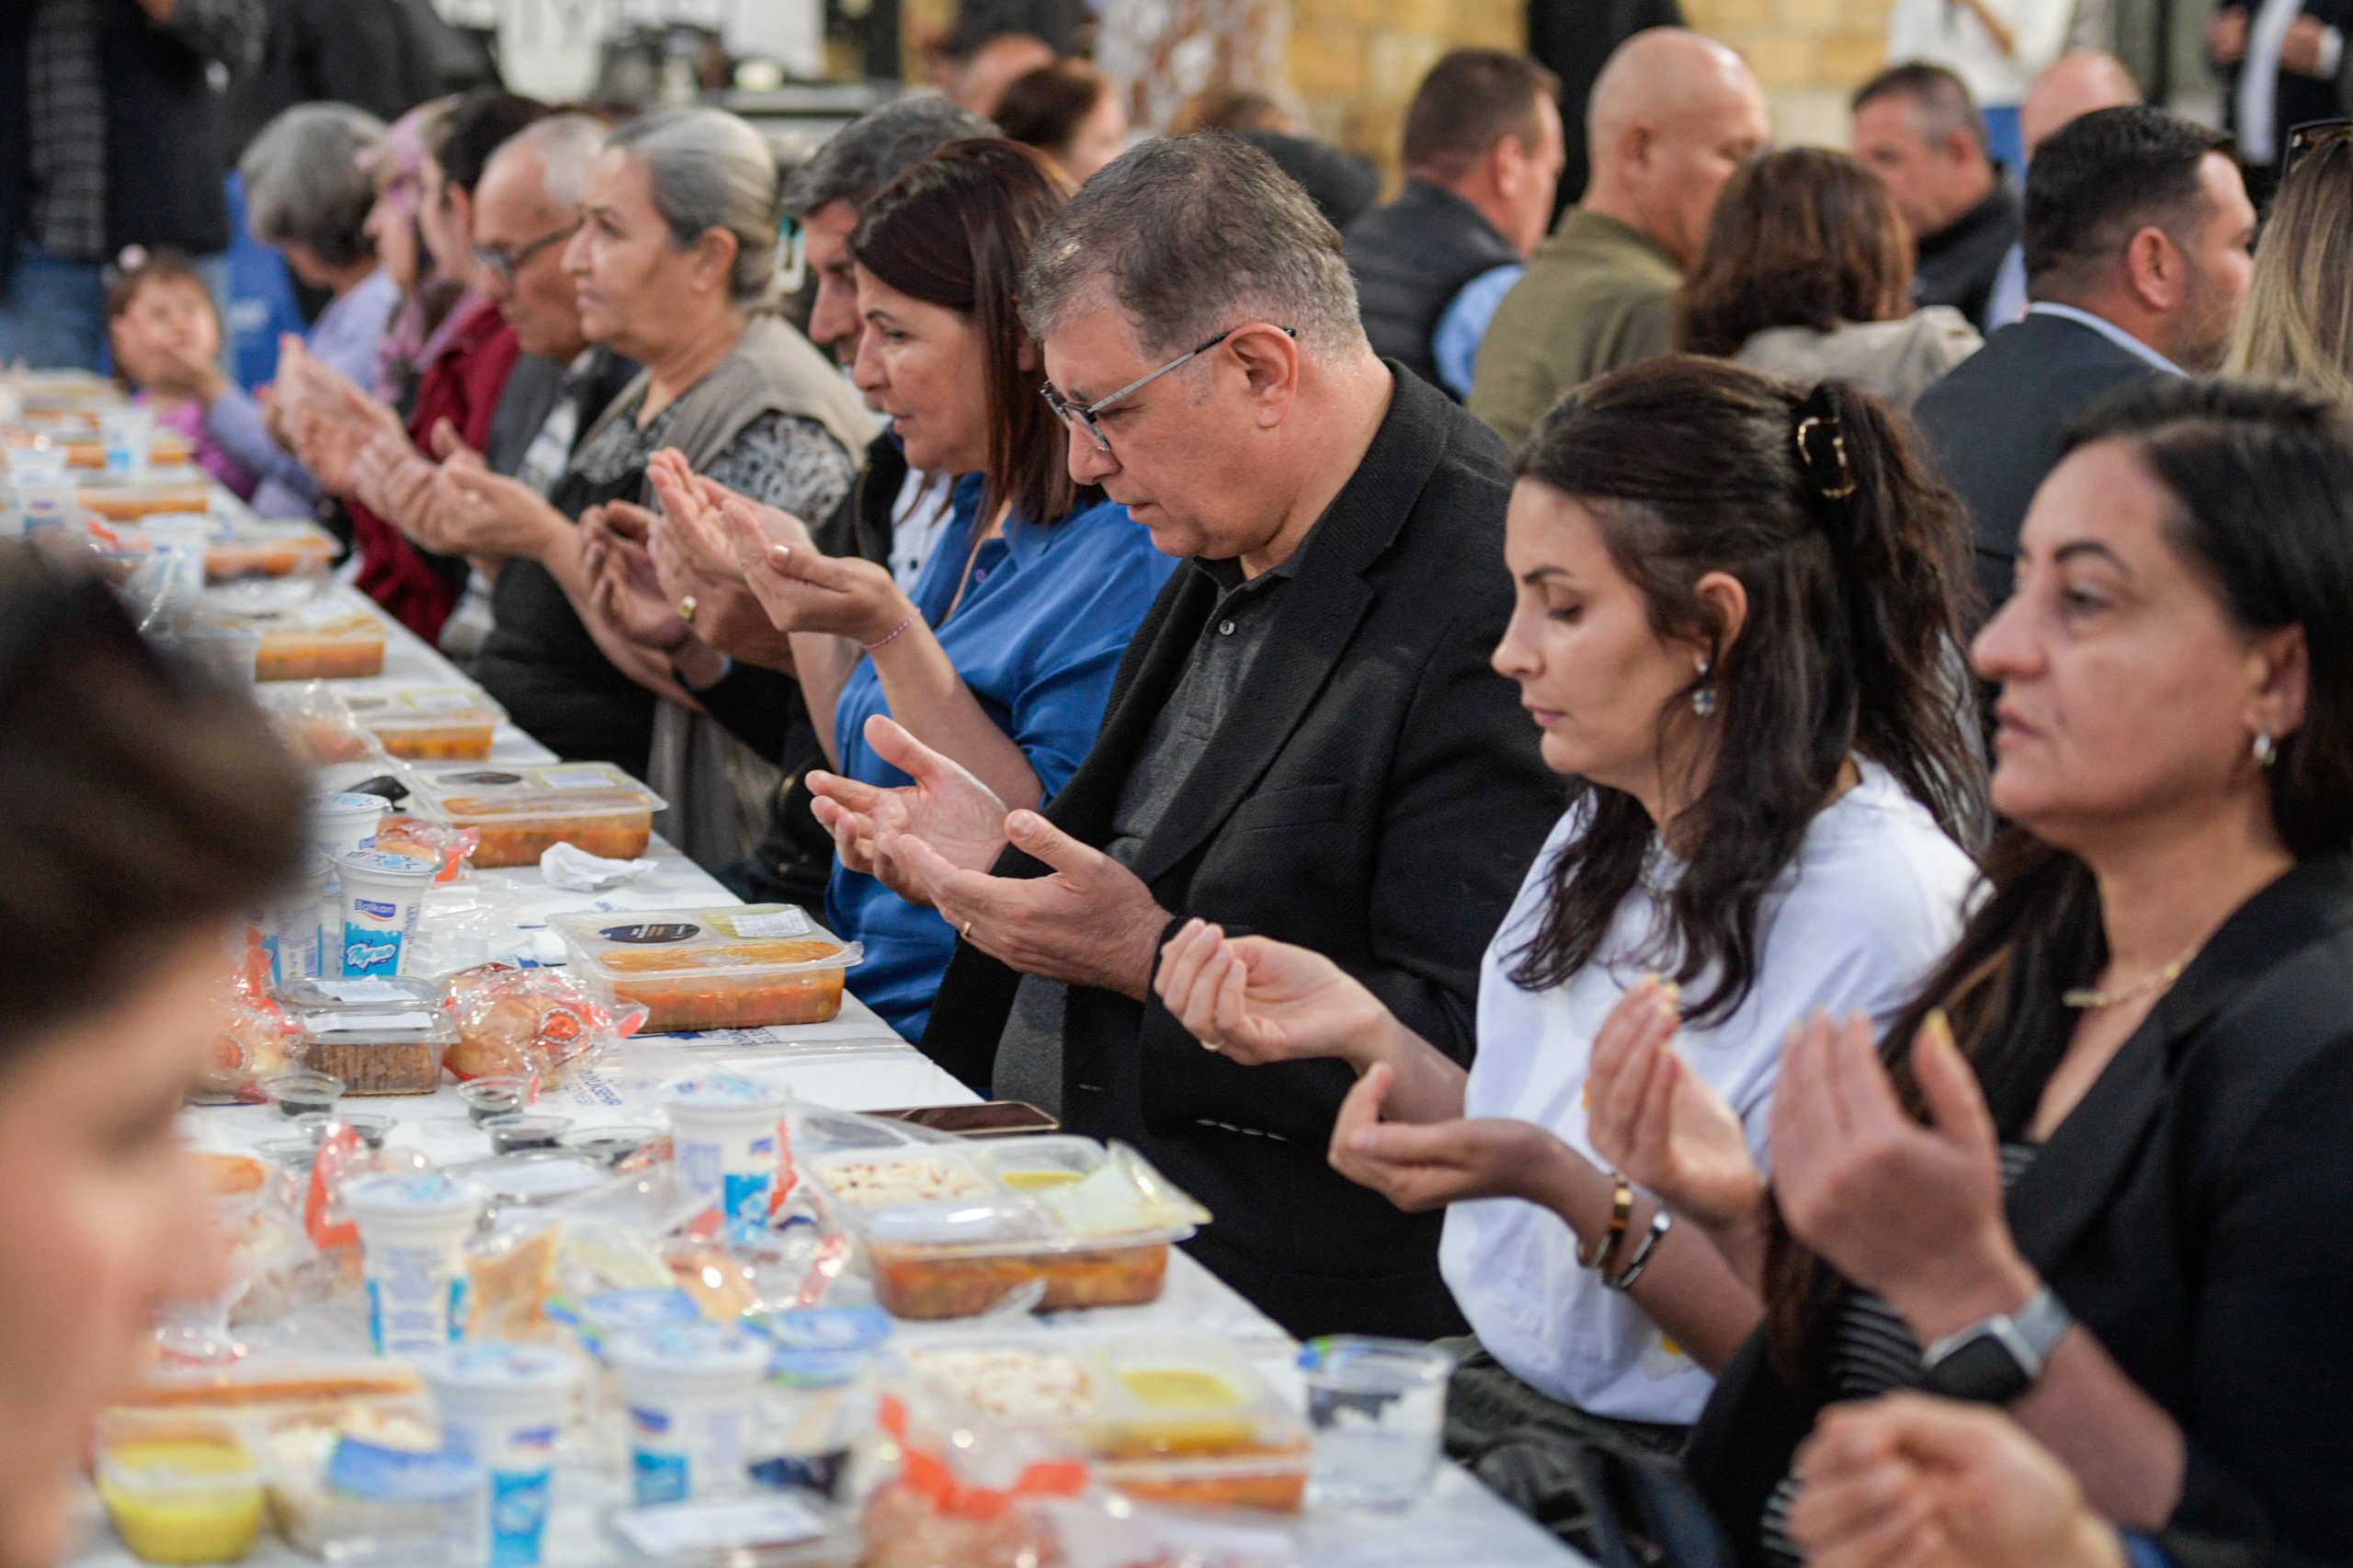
[(429, 724), (1178, 1418), (946, 1237), (255, 547), (522, 810), (714, 969), (381, 1035), (305, 634)]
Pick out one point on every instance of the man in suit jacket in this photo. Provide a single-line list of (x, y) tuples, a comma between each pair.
[(1305, 739), (2138, 234)]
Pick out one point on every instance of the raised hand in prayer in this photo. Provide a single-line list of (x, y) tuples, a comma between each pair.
[(482, 513), (946, 808), (804, 589), (728, 616), (1256, 1000), (1425, 1165), (622, 584)]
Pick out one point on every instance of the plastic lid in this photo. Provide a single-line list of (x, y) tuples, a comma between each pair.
[(382, 863), (617, 1311), (497, 1367), (421, 1193), (760, 938), (473, 791), (373, 993), (400, 1475), (693, 1350), (722, 1091), (830, 1328), (339, 803), (950, 1222)]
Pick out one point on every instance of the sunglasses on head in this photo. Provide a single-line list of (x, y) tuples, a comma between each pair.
[(2311, 136)]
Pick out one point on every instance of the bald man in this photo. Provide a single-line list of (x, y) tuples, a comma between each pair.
[(2076, 83), (1672, 116)]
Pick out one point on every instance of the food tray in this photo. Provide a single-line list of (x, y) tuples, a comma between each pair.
[(523, 810), (128, 502), (434, 724), (259, 549), (1174, 1419), (958, 1241), (380, 1035), (714, 969)]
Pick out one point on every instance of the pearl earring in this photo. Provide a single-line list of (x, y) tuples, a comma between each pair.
[(1703, 701), (2267, 750)]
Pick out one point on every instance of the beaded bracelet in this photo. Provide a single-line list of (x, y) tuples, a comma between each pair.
[(893, 633)]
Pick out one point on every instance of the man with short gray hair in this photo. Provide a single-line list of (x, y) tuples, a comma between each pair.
[(1304, 741)]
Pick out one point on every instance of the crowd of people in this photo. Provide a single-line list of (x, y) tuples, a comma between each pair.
[(1683, 799)]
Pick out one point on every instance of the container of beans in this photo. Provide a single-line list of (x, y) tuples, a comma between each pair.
[(714, 969), (381, 1035)]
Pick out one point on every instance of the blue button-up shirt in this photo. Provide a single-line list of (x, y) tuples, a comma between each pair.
[(1038, 638)]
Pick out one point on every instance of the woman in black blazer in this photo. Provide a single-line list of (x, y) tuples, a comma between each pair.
[(2154, 1004)]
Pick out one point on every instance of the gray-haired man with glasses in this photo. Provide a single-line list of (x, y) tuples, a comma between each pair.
[(1305, 740)]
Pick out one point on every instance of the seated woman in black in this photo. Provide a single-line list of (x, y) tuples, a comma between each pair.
[(2142, 1128)]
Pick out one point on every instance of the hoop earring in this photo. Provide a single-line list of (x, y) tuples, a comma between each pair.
[(1703, 701), (2267, 750)]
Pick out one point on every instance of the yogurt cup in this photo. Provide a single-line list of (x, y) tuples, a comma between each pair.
[(728, 1139), (502, 1406), (410, 1228), (382, 894), (42, 505), (44, 463), (291, 930), (342, 823), (126, 434), (687, 1394)]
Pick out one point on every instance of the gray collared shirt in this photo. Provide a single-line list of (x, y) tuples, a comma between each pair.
[(1029, 1051)]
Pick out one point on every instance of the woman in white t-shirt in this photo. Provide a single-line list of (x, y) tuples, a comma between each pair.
[(1735, 621)]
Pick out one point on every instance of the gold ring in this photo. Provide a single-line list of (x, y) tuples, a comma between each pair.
[(686, 608), (1213, 1045), (967, 932)]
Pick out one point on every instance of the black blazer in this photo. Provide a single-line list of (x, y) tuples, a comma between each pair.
[(1994, 422), (2297, 98), (2196, 1213), (1375, 795)]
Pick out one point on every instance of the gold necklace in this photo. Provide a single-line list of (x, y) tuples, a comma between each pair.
[(2090, 998)]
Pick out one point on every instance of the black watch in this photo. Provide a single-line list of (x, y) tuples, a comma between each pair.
[(1996, 1359)]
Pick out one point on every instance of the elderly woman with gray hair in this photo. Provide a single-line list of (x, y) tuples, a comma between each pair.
[(307, 194), (674, 265)]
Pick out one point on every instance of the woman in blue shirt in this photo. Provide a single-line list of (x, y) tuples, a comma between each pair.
[(1002, 657)]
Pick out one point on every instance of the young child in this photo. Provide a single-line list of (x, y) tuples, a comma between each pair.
[(166, 335)]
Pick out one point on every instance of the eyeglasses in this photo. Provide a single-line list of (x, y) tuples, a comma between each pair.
[(1072, 416), (504, 265), (2309, 137)]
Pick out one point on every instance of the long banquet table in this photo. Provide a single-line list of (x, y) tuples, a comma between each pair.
[(854, 1062)]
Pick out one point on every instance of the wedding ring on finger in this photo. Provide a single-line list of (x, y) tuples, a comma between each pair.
[(967, 931), (1216, 1045)]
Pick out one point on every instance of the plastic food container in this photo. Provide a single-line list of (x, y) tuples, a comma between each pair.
[(525, 1133), (441, 724), (1174, 1419), (342, 647), (178, 1488), (380, 1036), (523, 810), (382, 895), (297, 1094), (261, 549), (410, 1231), (501, 1406), (715, 969), (948, 1236), (128, 502), (688, 1391)]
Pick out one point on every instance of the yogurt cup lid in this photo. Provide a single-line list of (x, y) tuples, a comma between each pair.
[(693, 1350), (340, 802), (614, 1311), (720, 1091), (494, 1367), (380, 863), (830, 1328), (422, 1194)]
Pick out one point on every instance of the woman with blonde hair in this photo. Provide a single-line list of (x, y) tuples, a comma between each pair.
[(2297, 325)]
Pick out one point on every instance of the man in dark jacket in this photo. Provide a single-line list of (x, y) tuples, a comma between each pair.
[(109, 136), (1482, 157), (2138, 231), (1916, 127), (1304, 741)]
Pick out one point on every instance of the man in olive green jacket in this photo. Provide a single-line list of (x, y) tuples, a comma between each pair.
[(1672, 116)]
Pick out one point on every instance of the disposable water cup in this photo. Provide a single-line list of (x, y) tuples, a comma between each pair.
[(410, 1228), (502, 1406), (342, 823), (291, 930), (688, 1392), (1376, 1408), (728, 1141), (381, 896), (47, 503), (127, 435)]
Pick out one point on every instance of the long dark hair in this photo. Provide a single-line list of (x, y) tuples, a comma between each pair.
[(1801, 238), (1851, 643), (2262, 481), (139, 805), (955, 231)]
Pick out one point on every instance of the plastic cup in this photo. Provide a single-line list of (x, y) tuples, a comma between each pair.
[(42, 463), (342, 823), (688, 1391), (410, 1228), (1378, 1409), (381, 896), (127, 435), (524, 1133), (46, 504), (290, 931), (501, 1406), (728, 1141)]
